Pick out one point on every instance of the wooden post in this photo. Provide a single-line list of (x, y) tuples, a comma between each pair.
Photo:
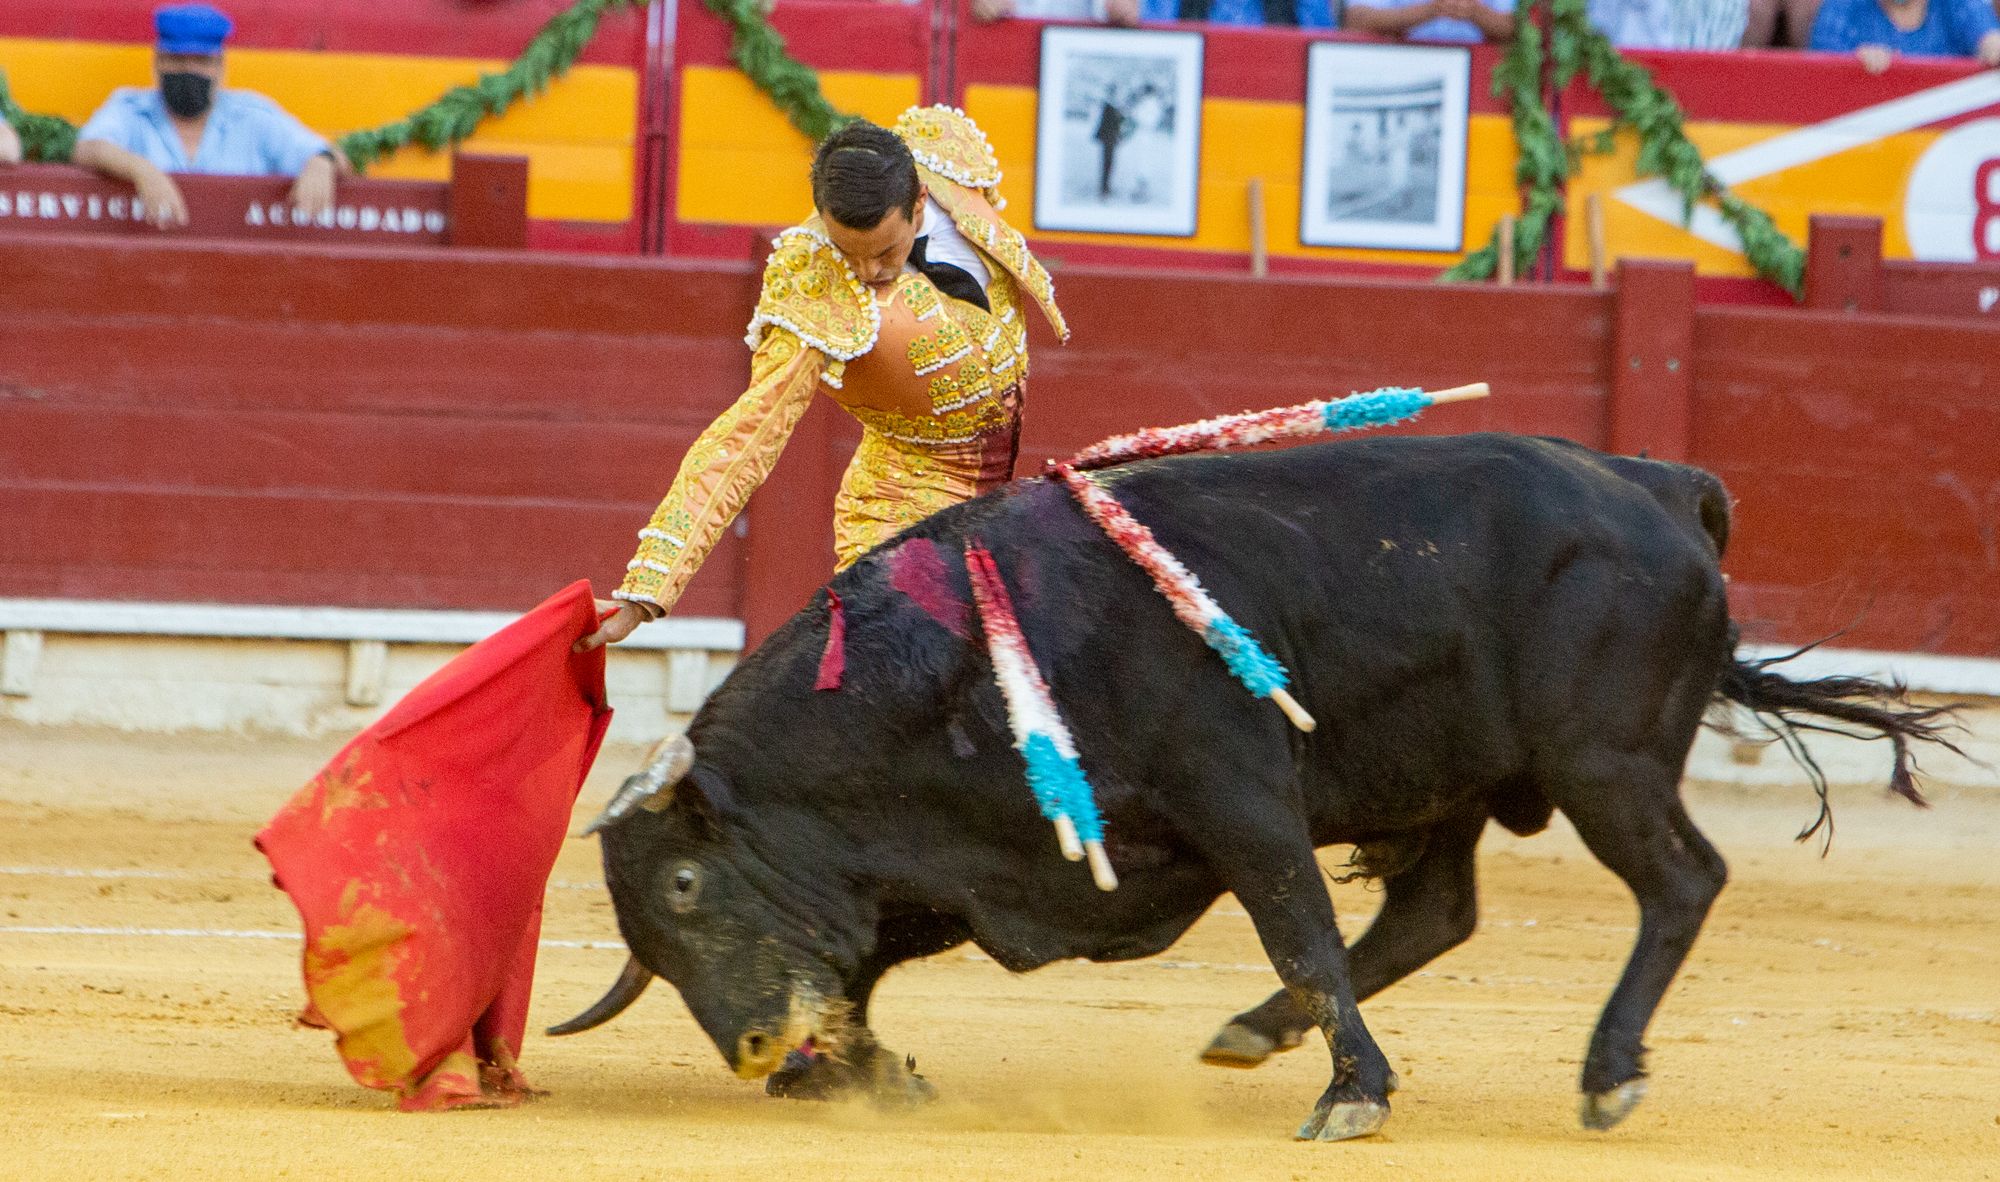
[(367, 671), (1593, 215), (1260, 258), (489, 201), (1652, 360), (20, 652), (1844, 263), (1504, 246)]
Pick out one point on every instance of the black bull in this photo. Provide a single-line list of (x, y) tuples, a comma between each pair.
[(1484, 626)]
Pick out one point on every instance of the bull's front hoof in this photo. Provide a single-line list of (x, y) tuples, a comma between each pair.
[(1344, 1121), (887, 1081), (1237, 1045), (1601, 1110)]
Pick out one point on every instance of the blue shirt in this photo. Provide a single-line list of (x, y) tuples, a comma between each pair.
[(247, 134), (1671, 24), (1443, 28), (1311, 14), (1951, 28)]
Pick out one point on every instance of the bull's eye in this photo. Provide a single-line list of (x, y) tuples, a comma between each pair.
[(683, 886)]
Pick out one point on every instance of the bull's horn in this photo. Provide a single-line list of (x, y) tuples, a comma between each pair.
[(652, 786), (630, 984)]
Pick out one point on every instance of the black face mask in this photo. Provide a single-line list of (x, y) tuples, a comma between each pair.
[(187, 95)]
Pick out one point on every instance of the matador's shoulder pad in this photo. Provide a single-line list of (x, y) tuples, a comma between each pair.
[(809, 289), (946, 141)]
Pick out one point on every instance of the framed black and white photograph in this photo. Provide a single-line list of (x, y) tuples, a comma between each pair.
[(1118, 136), (1385, 146)]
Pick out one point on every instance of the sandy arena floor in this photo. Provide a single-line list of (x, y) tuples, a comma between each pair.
[(1840, 1018)]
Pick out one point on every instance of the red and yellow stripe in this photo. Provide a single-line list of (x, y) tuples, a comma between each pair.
[(741, 163)]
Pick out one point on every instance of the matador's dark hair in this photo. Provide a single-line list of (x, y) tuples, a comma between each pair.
[(860, 173)]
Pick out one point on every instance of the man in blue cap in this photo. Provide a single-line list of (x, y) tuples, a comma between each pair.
[(189, 123)]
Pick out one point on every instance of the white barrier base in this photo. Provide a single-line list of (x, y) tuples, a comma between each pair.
[(319, 672), (308, 672)]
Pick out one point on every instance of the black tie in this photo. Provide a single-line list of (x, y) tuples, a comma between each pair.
[(949, 278)]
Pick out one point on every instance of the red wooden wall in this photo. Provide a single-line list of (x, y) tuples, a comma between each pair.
[(1864, 456), (473, 429), (329, 425)]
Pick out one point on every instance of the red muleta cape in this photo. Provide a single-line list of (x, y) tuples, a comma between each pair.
[(418, 858)]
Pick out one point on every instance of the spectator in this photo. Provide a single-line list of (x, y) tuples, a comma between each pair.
[(10, 144), (1109, 12), (1434, 20), (1764, 27), (1671, 24), (1306, 14), (189, 123), (1878, 30)]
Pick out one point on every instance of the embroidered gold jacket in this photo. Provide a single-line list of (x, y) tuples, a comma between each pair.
[(936, 382)]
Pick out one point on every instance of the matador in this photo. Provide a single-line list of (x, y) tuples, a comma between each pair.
[(905, 299)]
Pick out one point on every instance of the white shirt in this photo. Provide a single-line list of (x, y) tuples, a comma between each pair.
[(1635, 24), (947, 245)]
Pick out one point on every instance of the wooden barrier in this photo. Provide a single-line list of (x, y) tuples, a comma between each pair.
[(1846, 272), (1860, 453), (469, 429), (347, 426), (484, 204)]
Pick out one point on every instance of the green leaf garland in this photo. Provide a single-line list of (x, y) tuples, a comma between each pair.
[(459, 111), (1541, 162), (49, 138), (759, 51), (1638, 105)]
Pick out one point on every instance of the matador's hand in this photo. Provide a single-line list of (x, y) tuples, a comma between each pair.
[(623, 618)]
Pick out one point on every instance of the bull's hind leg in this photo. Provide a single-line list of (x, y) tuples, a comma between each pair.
[(1427, 910), (1273, 1025), (1634, 823)]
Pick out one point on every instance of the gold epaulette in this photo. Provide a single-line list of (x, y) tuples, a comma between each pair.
[(809, 289), (947, 141)]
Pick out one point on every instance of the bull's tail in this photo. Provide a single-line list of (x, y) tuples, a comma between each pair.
[(1858, 708)]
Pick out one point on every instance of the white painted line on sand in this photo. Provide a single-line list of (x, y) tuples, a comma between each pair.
[(26, 929), (80, 872)]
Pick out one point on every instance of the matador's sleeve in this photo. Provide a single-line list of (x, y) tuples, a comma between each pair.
[(725, 465)]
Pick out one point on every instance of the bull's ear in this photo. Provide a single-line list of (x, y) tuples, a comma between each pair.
[(706, 792)]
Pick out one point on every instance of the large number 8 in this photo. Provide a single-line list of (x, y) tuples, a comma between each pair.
[(1986, 211)]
